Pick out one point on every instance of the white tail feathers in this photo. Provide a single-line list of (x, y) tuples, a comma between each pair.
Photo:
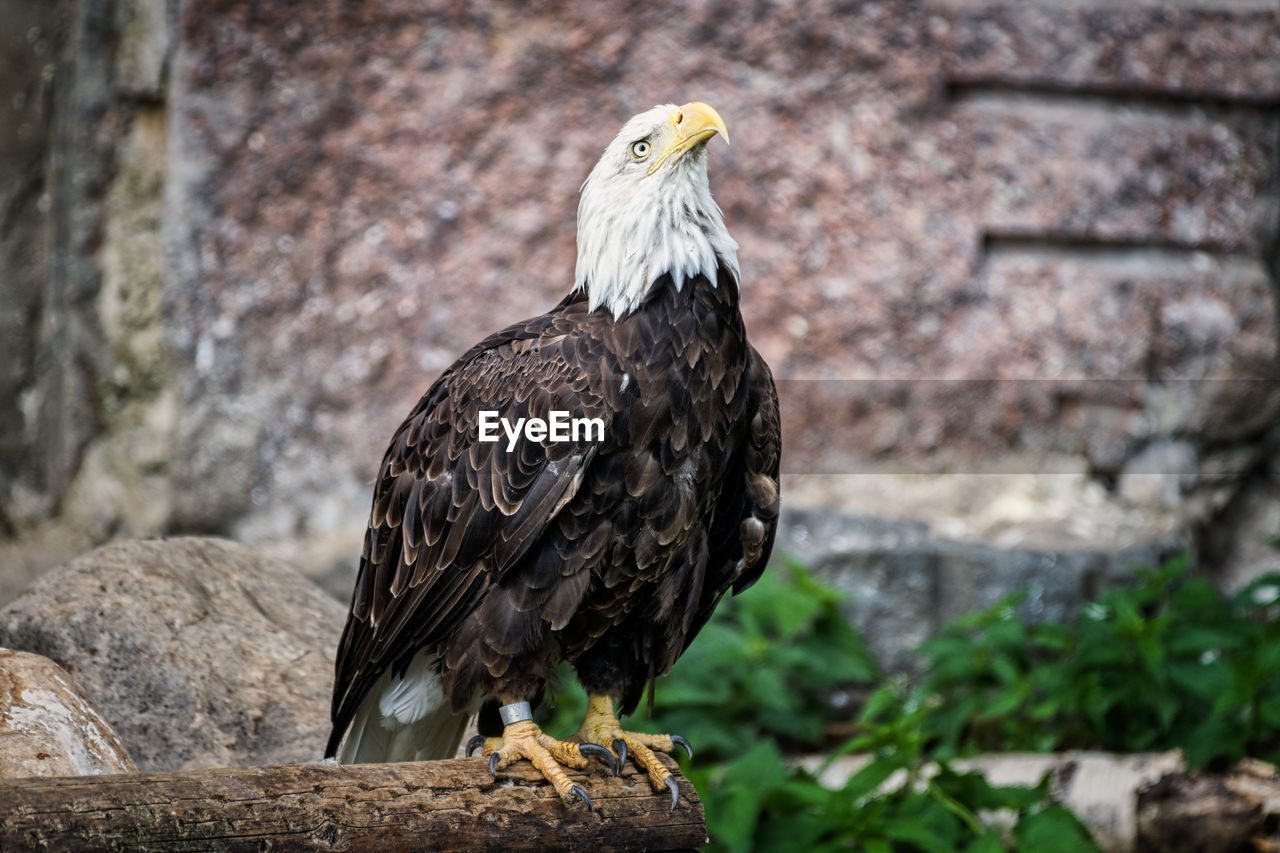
[(404, 719)]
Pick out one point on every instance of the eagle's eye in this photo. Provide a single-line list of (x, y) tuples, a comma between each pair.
[(640, 149)]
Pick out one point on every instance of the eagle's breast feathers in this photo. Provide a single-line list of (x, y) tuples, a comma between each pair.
[(486, 555)]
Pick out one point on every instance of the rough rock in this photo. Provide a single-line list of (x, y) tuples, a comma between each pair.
[(199, 652), (27, 46), (1010, 265), (48, 726), (903, 582), (1248, 545), (970, 231)]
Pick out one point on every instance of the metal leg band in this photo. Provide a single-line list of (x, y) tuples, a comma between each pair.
[(516, 712)]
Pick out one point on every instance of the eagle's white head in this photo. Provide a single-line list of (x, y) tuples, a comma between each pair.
[(646, 209)]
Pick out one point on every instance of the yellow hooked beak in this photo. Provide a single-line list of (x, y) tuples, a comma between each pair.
[(694, 124)]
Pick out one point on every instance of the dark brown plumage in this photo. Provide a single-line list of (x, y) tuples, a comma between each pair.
[(609, 555)]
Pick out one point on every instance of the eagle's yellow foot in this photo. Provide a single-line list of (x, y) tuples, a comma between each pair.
[(550, 756), (601, 727)]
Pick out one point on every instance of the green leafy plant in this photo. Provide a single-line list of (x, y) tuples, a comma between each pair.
[(897, 801), (1164, 662), (1167, 662), (759, 680)]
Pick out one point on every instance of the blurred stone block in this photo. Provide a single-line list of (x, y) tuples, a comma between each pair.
[(903, 582)]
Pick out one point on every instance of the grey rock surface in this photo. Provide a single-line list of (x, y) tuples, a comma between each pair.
[(49, 726), (240, 244), (199, 652), (945, 259), (28, 47), (904, 582), (1249, 545)]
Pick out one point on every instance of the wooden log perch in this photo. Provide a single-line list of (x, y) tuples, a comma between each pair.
[(1207, 812), (430, 805)]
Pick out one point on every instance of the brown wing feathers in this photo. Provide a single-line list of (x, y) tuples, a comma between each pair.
[(450, 514), (612, 554)]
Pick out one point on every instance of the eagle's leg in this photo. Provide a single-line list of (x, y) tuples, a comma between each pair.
[(521, 738), (601, 727)]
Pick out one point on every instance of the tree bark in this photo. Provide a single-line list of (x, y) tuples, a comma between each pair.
[(1209, 812), (432, 805)]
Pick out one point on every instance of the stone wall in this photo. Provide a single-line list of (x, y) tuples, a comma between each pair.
[(86, 400), (1014, 264)]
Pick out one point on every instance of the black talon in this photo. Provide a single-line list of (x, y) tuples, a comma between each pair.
[(474, 744), (620, 747), (578, 792), (493, 765), (585, 749), (675, 791), (676, 739)]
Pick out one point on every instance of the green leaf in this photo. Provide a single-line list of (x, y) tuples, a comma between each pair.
[(1216, 737), (745, 784), (870, 777), (1053, 830), (988, 842), (1002, 703)]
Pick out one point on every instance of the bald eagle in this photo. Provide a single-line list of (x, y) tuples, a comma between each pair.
[(486, 562)]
